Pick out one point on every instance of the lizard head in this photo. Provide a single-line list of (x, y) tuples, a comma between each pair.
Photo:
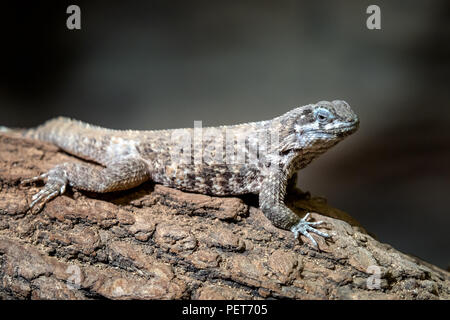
[(320, 125)]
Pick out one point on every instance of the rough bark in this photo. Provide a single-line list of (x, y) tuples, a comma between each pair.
[(153, 242)]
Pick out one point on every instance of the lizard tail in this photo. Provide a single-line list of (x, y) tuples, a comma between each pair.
[(30, 133), (42, 132), (20, 131), (12, 130), (50, 131)]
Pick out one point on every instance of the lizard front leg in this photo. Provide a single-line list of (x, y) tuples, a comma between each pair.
[(271, 202), (121, 174)]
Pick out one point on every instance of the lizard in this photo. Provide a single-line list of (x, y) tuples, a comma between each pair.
[(225, 161)]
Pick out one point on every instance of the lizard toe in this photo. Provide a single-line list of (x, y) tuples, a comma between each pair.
[(304, 227), (33, 179), (56, 185)]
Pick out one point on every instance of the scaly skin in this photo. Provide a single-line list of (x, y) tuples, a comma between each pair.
[(257, 157)]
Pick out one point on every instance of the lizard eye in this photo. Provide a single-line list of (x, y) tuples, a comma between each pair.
[(323, 115)]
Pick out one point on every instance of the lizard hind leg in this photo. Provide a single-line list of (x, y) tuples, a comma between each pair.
[(121, 174)]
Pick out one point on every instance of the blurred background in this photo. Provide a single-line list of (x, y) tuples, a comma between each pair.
[(163, 64)]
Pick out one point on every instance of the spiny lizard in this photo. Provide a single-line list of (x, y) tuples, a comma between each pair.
[(257, 157)]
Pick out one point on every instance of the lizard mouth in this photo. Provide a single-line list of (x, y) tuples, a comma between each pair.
[(340, 132), (346, 129), (331, 134)]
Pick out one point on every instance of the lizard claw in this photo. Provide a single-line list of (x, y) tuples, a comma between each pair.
[(304, 227), (34, 179), (55, 186)]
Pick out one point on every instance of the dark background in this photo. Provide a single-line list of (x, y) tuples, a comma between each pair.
[(164, 64)]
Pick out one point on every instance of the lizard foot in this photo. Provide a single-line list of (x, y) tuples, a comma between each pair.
[(304, 227), (56, 185)]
